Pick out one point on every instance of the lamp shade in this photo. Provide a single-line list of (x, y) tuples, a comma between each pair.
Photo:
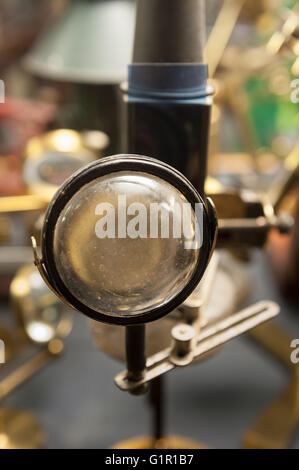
[(90, 43)]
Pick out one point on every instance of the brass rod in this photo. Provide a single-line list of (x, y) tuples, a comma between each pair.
[(23, 203), (10, 383), (221, 32)]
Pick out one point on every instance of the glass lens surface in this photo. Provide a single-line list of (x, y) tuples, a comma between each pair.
[(120, 243)]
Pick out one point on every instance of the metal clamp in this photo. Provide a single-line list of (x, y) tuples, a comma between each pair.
[(186, 347)]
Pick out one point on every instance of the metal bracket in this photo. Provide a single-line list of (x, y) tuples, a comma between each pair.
[(188, 346)]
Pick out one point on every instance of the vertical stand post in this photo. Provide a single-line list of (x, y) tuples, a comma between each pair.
[(135, 354), (157, 407)]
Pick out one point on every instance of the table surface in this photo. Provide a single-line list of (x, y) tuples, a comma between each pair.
[(78, 405)]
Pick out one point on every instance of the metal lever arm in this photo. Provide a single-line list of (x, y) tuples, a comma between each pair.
[(201, 344)]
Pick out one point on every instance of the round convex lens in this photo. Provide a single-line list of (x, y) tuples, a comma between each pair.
[(120, 243)]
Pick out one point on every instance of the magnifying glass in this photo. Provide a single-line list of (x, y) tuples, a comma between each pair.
[(126, 240)]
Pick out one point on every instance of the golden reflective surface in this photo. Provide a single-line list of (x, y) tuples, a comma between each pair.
[(40, 312)]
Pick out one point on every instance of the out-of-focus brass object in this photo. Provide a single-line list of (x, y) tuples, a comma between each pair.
[(54, 156), (168, 442), (24, 203), (49, 159), (27, 370), (278, 423), (283, 41), (7, 338), (42, 316), (19, 430), (286, 35), (246, 218), (289, 180), (272, 338), (221, 32), (45, 322)]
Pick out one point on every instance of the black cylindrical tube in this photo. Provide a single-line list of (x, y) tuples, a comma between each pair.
[(157, 404), (169, 31), (168, 102), (135, 351)]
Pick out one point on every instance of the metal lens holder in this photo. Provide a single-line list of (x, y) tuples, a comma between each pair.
[(106, 166)]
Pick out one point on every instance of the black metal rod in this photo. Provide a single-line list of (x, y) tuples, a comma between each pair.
[(157, 406), (135, 351)]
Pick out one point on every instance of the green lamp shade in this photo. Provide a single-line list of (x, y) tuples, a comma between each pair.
[(90, 43)]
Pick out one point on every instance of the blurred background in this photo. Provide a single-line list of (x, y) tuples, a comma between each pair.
[(61, 63)]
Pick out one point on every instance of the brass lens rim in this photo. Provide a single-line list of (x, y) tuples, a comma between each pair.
[(105, 166)]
